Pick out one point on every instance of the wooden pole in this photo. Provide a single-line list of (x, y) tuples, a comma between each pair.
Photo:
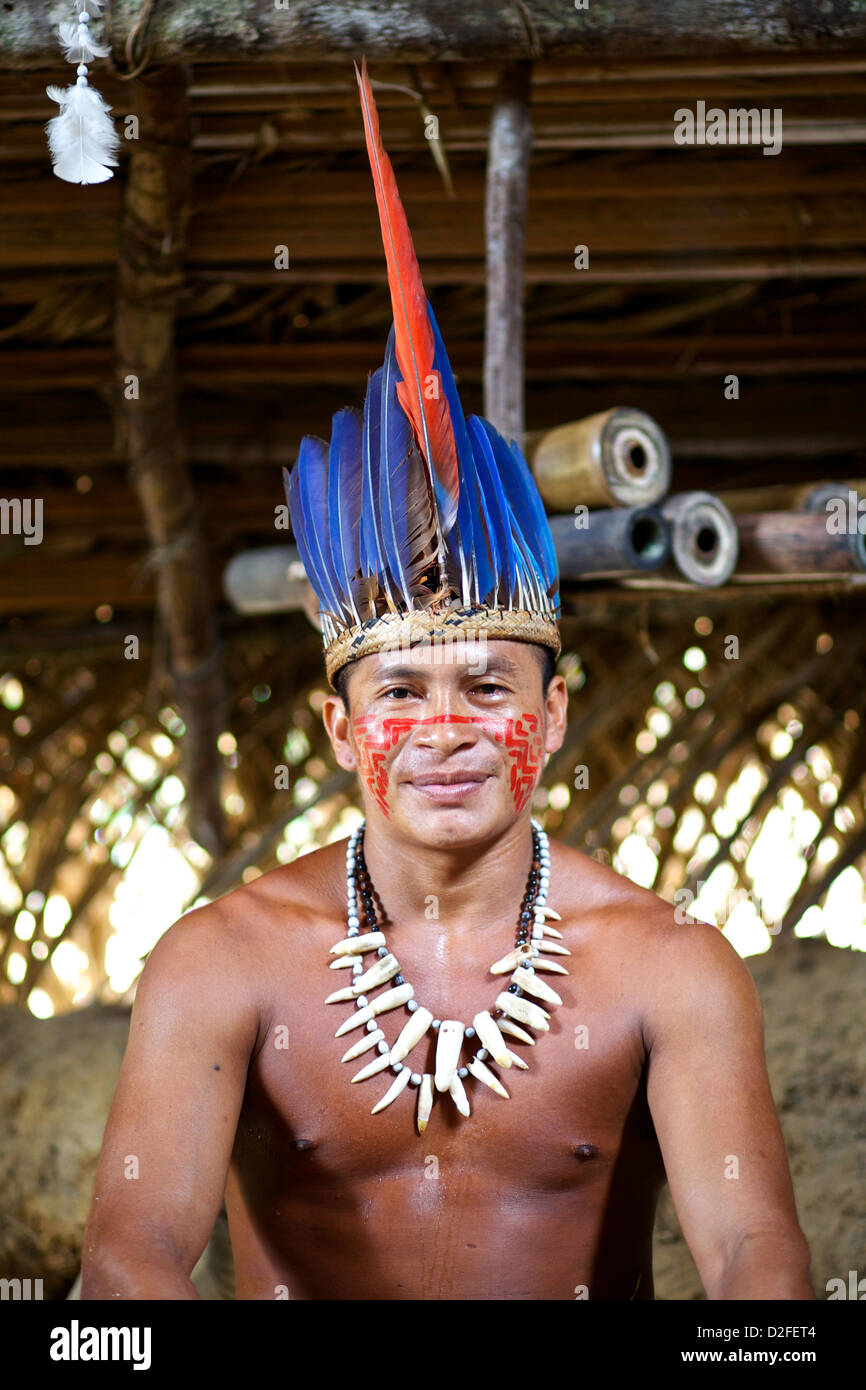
[(505, 214), (151, 247)]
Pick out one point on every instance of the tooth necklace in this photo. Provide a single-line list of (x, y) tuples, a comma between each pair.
[(511, 1015)]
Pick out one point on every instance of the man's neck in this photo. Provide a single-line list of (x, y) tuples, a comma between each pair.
[(469, 888)]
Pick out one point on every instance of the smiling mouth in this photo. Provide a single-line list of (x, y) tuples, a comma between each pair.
[(452, 787), (447, 779)]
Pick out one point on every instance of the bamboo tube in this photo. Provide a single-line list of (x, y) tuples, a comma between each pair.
[(270, 579), (797, 543), (703, 536), (616, 540), (780, 497), (618, 458)]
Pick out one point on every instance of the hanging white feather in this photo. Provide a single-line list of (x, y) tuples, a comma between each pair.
[(82, 138), (79, 45)]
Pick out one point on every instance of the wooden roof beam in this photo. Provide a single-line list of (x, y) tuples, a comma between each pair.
[(222, 30), (151, 249)]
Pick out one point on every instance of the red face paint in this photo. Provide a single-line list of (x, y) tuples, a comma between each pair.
[(521, 737)]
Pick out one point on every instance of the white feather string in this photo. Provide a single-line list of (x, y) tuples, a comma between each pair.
[(82, 138)]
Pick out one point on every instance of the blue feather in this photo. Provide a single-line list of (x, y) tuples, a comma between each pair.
[(498, 510), (344, 501), (310, 519), (370, 552), (540, 537), (518, 486), (396, 477), (475, 535)]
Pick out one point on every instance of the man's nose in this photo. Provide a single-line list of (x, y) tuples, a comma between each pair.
[(446, 733)]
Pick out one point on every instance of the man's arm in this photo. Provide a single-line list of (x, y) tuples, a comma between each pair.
[(171, 1127), (716, 1123)]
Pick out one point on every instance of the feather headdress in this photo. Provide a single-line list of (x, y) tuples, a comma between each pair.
[(415, 523)]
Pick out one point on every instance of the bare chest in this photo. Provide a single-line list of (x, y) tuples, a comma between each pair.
[(574, 1109)]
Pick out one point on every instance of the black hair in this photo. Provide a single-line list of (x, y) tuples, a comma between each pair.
[(548, 671)]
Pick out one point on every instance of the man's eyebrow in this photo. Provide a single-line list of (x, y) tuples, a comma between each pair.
[(501, 664)]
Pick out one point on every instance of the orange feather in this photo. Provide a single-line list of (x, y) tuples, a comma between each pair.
[(413, 337)]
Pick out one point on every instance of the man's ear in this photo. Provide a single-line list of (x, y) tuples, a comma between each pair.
[(338, 726), (556, 710)]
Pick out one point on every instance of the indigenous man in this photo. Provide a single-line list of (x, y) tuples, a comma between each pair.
[(447, 1058)]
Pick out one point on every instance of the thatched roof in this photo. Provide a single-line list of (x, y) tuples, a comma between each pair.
[(703, 261)]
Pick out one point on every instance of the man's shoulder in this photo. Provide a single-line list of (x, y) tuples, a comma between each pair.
[(586, 891), (646, 928), (237, 925)]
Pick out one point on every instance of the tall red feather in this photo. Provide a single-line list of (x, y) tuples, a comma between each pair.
[(413, 336)]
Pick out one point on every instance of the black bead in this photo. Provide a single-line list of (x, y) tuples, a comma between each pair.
[(512, 989), (398, 980)]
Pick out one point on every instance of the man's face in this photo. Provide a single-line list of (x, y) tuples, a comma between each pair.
[(449, 740)]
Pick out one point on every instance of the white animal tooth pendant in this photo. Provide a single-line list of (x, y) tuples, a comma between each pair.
[(373, 1068), (412, 1033), (483, 1073), (378, 974), (391, 999), (514, 1030), (398, 1085), (425, 1102), (523, 1011), (516, 1061), (527, 981), (553, 966), (518, 956), (448, 1046), (369, 1040), (458, 1094), (490, 1036), (357, 945)]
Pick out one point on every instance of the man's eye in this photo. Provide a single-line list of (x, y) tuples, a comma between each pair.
[(405, 689)]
